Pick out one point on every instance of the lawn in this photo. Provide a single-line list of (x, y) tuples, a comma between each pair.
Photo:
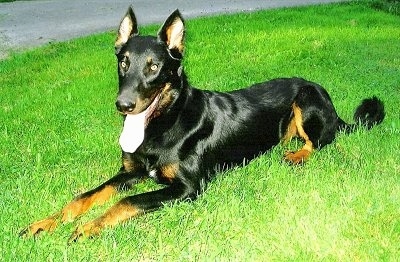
[(59, 137)]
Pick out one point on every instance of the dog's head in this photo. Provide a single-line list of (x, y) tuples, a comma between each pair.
[(149, 68)]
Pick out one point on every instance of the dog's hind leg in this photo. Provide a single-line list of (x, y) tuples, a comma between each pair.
[(295, 128), (314, 120)]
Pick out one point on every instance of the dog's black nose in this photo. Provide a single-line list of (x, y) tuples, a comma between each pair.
[(125, 106)]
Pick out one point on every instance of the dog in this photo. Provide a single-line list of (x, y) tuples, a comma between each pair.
[(181, 136)]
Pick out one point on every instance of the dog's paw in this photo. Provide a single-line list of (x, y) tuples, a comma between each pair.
[(296, 158), (48, 224), (88, 230)]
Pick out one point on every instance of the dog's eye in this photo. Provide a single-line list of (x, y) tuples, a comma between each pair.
[(154, 67), (123, 65)]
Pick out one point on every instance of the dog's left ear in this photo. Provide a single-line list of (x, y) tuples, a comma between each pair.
[(172, 33)]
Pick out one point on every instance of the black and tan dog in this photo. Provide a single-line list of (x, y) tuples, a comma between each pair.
[(180, 136)]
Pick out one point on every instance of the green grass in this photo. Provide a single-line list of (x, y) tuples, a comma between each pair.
[(59, 133)]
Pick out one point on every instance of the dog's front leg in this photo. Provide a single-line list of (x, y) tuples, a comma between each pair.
[(82, 203), (133, 206)]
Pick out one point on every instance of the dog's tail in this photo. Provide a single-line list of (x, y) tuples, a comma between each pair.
[(369, 113)]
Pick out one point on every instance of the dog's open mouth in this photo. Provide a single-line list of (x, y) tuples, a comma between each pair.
[(132, 134)]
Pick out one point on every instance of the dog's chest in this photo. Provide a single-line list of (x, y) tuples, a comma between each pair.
[(165, 174)]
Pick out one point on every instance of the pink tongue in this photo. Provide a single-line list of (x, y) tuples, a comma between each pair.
[(133, 132)]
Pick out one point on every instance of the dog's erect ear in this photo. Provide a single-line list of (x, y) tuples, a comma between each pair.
[(127, 28), (172, 33)]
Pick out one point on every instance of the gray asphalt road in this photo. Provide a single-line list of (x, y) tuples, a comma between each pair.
[(25, 24)]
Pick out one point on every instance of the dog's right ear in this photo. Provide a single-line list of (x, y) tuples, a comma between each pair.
[(127, 28)]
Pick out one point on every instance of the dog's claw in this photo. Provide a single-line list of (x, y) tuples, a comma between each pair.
[(75, 237), (24, 232)]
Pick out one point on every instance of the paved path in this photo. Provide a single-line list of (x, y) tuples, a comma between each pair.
[(25, 24)]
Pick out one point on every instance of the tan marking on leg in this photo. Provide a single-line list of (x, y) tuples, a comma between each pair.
[(120, 212), (81, 204), (291, 131), (303, 154)]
